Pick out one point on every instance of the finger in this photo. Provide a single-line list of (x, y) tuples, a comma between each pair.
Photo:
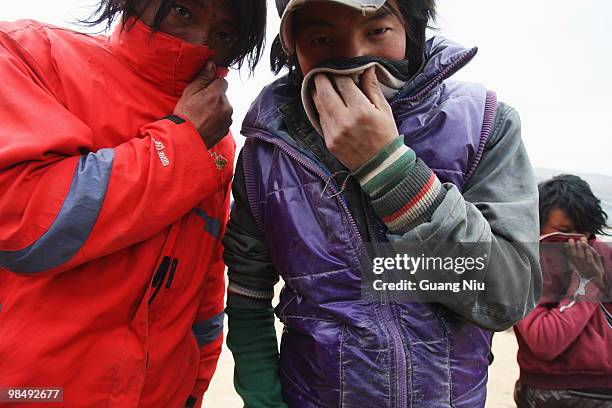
[(328, 99), (602, 267), (221, 72), (600, 260), (226, 128), (571, 248), (207, 75), (589, 257), (593, 264), (584, 246), (371, 88), (212, 142), (318, 106), (228, 125), (218, 85), (349, 91), (219, 134), (595, 257)]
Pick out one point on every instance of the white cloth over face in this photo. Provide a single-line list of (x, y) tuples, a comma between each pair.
[(389, 84)]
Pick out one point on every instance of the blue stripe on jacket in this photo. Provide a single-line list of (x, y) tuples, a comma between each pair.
[(208, 330), (212, 225), (73, 223)]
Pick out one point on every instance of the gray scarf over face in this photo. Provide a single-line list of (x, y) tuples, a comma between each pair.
[(392, 76)]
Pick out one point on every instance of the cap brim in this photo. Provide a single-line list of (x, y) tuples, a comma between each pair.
[(286, 34)]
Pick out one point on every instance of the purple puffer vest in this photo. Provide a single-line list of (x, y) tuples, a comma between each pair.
[(337, 349)]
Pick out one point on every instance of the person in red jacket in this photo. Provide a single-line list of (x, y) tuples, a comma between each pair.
[(115, 169), (565, 344)]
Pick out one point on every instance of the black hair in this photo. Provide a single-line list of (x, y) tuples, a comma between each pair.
[(250, 14), (415, 16), (574, 196)]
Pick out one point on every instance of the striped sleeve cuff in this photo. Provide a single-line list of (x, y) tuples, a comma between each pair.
[(412, 201), (386, 169)]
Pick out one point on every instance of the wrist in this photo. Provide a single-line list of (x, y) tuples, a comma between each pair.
[(178, 119)]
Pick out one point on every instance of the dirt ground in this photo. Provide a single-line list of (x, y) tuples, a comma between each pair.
[(502, 376)]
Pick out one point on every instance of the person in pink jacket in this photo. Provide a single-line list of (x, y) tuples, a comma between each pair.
[(565, 344)]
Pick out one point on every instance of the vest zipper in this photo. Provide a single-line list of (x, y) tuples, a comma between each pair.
[(390, 323), (398, 344)]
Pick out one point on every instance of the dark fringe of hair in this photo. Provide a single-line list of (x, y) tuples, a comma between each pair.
[(415, 16), (251, 14), (573, 196)]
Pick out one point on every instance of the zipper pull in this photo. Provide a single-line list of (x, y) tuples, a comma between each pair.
[(161, 272), (159, 276), (172, 271)]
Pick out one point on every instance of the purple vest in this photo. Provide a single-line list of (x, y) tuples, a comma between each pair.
[(337, 349)]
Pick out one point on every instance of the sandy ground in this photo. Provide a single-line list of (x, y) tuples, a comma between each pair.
[(502, 376), (504, 371)]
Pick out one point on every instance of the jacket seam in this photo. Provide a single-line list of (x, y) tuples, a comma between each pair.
[(116, 371), (42, 75), (309, 318), (448, 339), (495, 134), (490, 109)]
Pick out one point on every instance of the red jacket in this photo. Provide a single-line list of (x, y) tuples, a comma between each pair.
[(564, 346), (111, 277)]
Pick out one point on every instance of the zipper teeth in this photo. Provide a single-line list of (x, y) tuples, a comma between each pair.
[(389, 322), (400, 363), (396, 338), (449, 70)]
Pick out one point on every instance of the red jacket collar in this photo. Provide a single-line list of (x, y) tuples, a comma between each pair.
[(167, 62)]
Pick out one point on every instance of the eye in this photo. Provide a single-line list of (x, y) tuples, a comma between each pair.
[(183, 12), (225, 37), (378, 31), (321, 41)]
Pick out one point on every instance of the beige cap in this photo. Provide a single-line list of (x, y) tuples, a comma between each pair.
[(287, 7)]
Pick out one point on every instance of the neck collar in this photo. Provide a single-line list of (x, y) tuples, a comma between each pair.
[(165, 61)]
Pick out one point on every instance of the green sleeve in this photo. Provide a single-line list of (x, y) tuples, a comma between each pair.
[(252, 340)]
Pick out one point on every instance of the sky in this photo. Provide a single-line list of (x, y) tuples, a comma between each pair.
[(550, 59)]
